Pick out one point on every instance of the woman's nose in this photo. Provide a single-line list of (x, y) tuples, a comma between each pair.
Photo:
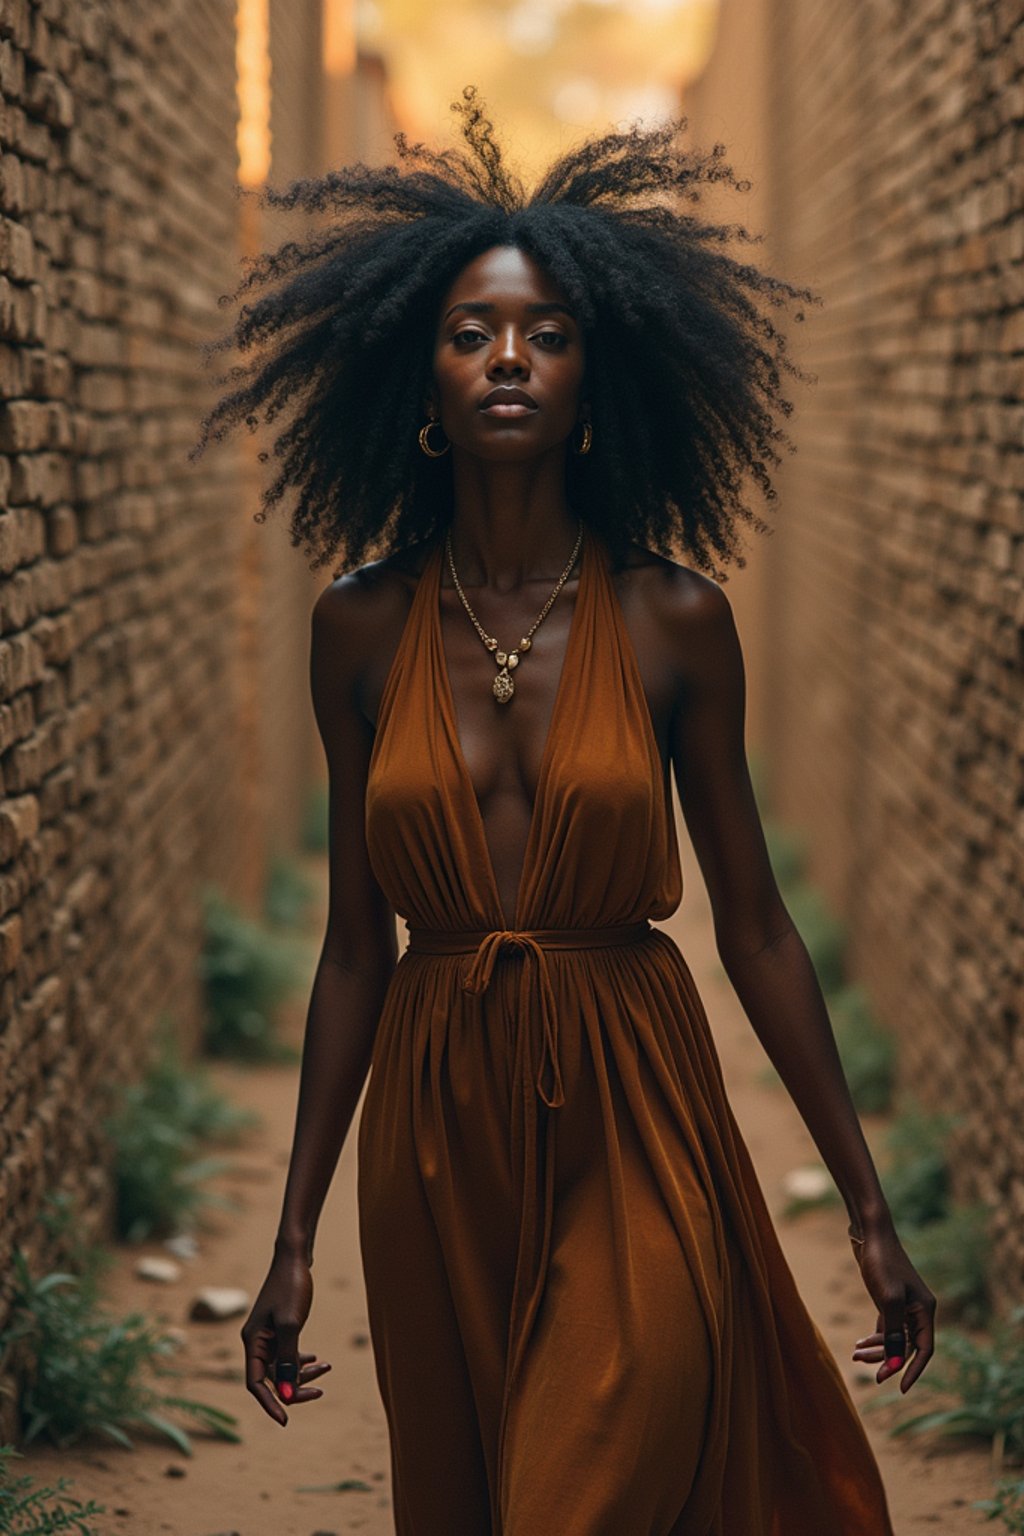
[(508, 355)]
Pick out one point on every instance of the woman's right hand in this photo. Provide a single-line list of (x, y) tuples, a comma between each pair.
[(271, 1338)]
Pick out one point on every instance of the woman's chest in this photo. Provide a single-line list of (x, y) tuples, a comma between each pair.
[(502, 746)]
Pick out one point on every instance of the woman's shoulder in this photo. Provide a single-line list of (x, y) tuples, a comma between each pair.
[(673, 592), (374, 591), (358, 618)]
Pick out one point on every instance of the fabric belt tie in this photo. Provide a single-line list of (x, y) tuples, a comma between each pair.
[(536, 995)]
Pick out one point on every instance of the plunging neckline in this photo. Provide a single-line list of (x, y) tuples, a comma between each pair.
[(462, 765)]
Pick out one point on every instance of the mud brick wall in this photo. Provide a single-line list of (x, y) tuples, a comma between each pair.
[(889, 633), (118, 559)]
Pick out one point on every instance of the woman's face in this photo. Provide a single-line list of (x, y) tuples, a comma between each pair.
[(508, 359)]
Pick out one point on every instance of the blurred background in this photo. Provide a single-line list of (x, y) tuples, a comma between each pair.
[(155, 729)]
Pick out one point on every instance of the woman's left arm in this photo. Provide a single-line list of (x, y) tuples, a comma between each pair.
[(767, 961)]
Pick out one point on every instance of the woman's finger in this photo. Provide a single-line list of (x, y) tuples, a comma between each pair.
[(259, 1346), (894, 1338), (921, 1327), (869, 1350), (292, 1382), (311, 1372)]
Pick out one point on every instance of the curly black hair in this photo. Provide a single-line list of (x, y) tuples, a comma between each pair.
[(684, 363)]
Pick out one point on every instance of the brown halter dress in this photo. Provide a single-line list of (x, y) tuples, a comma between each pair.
[(582, 1321)]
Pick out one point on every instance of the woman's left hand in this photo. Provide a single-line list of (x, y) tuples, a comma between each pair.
[(905, 1327)]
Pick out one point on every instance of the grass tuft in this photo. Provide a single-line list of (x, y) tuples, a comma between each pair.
[(982, 1385), (89, 1372), (917, 1180), (1007, 1505), (157, 1130), (867, 1051), (248, 972), (27, 1510)]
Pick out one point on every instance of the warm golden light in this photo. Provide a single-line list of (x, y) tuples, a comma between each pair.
[(339, 36), (252, 61), (550, 71)]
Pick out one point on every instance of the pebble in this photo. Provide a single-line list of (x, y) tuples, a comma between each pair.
[(809, 1183), (183, 1245), (165, 1271), (215, 1303)]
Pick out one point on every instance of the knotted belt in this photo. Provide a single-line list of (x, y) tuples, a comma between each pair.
[(536, 997)]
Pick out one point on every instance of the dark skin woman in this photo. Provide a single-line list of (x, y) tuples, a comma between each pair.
[(513, 373)]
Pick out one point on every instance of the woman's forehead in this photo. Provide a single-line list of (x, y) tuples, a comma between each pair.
[(504, 276)]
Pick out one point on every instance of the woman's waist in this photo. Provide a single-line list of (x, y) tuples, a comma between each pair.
[(455, 941)]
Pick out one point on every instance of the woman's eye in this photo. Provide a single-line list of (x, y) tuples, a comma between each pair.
[(555, 337), (469, 335)]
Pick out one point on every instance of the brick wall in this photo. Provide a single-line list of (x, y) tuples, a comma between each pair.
[(118, 681), (889, 639)]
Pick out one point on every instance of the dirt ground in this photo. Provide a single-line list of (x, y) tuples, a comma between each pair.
[(283, 1482)]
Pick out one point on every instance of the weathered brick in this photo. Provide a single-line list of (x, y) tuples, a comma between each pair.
[(17, 253), (885, 644), (10, 954), (127, 762)]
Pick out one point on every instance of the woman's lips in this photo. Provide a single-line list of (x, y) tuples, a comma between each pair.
[(508, 400)]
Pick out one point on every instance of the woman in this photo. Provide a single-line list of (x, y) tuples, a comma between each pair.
[(582, 1321)]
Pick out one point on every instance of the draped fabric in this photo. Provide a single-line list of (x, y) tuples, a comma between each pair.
[(582, 1321)]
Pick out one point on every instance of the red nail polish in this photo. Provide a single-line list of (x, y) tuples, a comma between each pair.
[(894, 1363), (286, 1390)]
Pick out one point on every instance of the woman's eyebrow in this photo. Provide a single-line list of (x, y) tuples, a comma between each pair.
[(479, 307)]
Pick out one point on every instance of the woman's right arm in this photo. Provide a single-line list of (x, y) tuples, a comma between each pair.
[(356, 963)]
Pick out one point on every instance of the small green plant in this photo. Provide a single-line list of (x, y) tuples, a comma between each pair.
[(156, 1131), (867, 1051), (288, 894), (182, 1093), (1007, 1505), (248, 972), (27, 1510), (89, 1372), (917, 1181), (983, 1388), (315, 819)]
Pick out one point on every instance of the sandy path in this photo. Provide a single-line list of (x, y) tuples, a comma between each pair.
[(254, 1488)]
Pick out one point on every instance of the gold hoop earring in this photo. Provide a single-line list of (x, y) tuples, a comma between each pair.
[(432, 453), (588, 438)]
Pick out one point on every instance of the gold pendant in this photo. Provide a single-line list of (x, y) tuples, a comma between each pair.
[(503, 687)]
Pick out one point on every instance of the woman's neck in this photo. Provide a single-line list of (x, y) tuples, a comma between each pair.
[(511, 525)]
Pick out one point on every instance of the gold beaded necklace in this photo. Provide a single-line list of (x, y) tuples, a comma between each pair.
[(503, 686)]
